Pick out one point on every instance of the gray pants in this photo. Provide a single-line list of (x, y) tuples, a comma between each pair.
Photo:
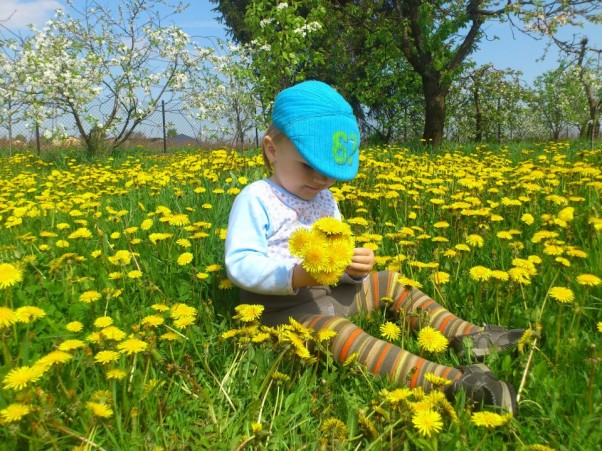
[(321, 300)]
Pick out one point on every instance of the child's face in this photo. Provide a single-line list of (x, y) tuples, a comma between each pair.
[(292, 172)]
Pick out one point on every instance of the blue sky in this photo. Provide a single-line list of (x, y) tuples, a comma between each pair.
[(517, 52)]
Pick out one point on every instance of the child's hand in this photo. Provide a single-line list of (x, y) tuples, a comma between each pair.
[(362, 263)]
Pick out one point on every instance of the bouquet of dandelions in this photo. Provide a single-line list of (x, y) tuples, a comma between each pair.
[(325, 250)]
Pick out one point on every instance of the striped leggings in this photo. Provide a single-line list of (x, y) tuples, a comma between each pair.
[(329, 307)]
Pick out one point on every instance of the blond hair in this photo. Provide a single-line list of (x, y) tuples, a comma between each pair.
[(276, 135)]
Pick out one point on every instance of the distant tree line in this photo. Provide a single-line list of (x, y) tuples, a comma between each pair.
[(405, 66)]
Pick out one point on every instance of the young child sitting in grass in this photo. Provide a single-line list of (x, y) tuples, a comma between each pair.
[(312, 142)]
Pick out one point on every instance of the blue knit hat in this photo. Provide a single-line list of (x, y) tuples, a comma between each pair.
[(321, 125)]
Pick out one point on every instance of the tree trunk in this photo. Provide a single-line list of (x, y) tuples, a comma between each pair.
[(434, 99)]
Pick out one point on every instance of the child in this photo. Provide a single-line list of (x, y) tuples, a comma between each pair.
[(312, 142)]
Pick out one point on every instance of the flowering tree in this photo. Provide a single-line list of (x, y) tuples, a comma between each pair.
[(282, 51), (435, 36), (107, 69), (222, 96), (558, 101), (489, 104), (12, 107)]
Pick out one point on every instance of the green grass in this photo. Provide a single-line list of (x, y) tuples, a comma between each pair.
[(206, 391)]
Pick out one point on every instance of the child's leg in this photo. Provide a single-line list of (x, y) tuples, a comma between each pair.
[(383, 284), (463, 334), (380, 357), (385, 359)]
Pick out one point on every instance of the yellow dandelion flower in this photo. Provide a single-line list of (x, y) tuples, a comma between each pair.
[(527, 219), (180, 219), (500, 275), (69, 345), (440, 277), (489, 420), (62, 243), (89, 296), (475, 240), (53, 358), (28, 313), (332, 226), (213, 268), (408, 282), (202, 275), (520, 275), (226, 284), (116, 374), (327, 277), (132, 346), (7, 317), (504, 235), (390, 331), (325, 335), (249, 312), (437, 380), (113, 333), (184, 258), (539, 447), (480, 273), (427, 422), (574, 252), (152, 320), (398, 395), (432, 340), (135, 274), (14, 412), (103, 321), (169, 336), (562, 294), (74, 326), (183, 242), (99, 409), (351, 359), (94, 337), (184, 321), (298, 240), (599, 325), (588, 279), (181, 309), (20, 377), (9, 275), (104, 357), (160, 307)]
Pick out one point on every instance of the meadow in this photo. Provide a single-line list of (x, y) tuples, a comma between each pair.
[(118, 328)]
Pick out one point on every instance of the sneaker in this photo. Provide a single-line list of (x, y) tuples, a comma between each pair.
[(489, 340), (482, 387)]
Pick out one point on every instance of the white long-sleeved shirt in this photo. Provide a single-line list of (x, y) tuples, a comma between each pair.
[(262, 219)]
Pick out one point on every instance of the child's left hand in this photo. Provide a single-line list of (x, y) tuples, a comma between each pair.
[(361, 264)]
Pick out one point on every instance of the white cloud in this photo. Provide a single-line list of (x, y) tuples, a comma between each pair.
[(16, 14)]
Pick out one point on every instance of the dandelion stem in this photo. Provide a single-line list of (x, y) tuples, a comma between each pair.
[(524, 378), (265, 396)]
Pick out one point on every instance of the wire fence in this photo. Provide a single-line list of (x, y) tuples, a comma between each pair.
[(164, 130)]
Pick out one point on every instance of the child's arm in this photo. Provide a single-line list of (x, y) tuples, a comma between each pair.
[(248, 263)]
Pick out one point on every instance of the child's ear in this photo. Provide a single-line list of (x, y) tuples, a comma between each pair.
[(269, 148)]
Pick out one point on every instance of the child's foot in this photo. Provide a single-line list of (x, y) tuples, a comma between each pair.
[(483, 387), (490, 339)]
